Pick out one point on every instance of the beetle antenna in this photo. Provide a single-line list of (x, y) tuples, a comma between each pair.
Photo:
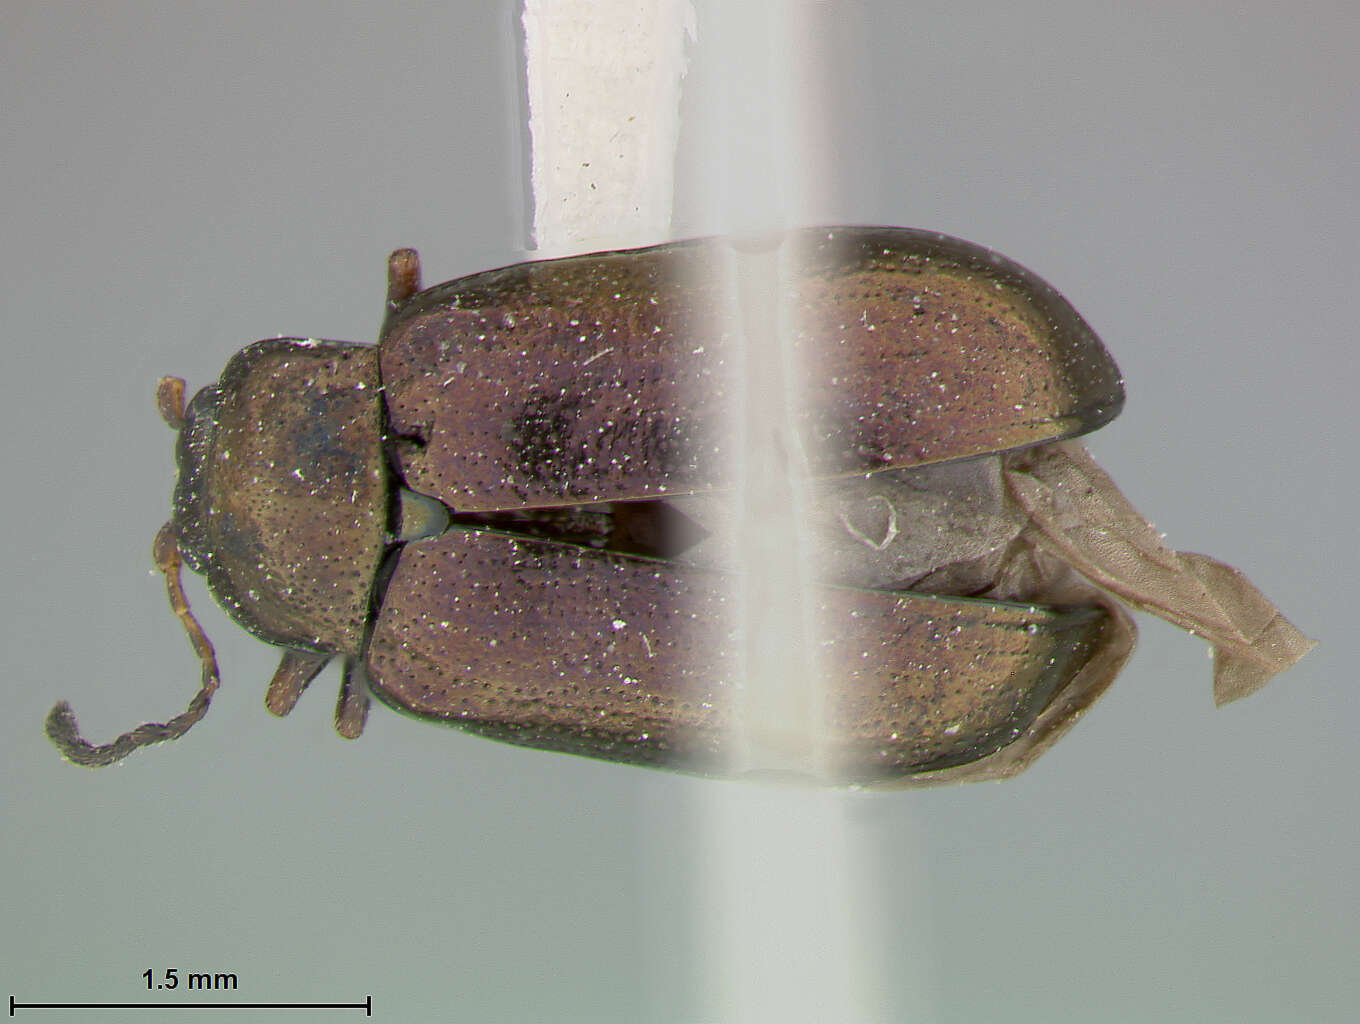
[(170, 401), (61, 720)]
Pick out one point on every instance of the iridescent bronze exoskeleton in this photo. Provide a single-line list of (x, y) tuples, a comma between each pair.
[(511, 514)]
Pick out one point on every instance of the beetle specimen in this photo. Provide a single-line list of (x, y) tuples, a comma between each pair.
[(511, 514)]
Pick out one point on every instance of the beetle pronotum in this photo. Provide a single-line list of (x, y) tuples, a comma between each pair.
[(508, 514)]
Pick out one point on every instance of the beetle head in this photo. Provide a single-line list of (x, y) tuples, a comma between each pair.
[(282, 499)]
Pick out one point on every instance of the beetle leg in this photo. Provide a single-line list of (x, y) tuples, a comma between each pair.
[(295, 671), (61, 720), (403, 281), (351, 712)]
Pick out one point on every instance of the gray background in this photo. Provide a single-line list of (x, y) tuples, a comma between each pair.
[(179, 180)]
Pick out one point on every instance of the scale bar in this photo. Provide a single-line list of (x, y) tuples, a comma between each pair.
[(366, 1006)]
